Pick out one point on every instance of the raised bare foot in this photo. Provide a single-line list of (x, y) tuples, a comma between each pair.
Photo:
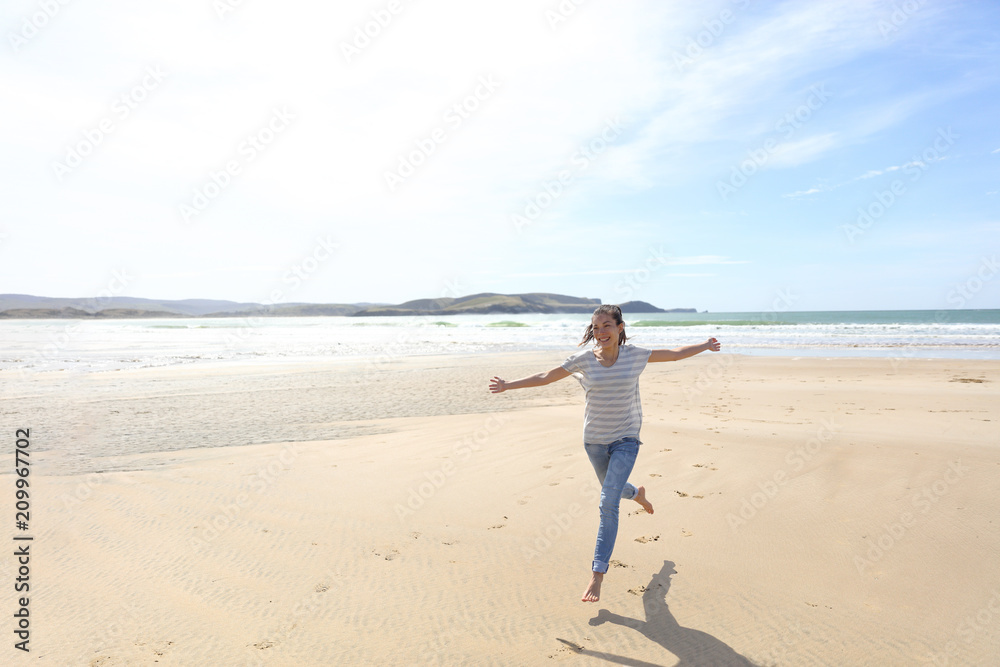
[(640, 497), (593, 592)]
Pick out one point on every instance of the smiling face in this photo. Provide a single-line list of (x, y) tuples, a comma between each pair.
[(606, 332)]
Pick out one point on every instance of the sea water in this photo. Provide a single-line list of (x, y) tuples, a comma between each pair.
[(86, 345)]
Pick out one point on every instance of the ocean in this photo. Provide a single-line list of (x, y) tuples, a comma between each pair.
[(87, 346)]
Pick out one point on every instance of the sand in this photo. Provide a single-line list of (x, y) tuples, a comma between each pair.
[(808, 511)]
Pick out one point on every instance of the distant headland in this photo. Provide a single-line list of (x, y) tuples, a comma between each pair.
[(24, 306)]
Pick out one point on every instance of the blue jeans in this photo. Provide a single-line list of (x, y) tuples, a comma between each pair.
[(613, 464)]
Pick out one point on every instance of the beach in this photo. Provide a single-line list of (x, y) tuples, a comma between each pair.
[(808, 511)]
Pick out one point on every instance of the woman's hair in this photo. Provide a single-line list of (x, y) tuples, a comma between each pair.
[(607, 309)]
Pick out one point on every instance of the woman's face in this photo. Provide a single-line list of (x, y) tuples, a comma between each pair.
[(605, 330)]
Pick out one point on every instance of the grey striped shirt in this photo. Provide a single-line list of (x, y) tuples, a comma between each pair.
[(613, 408)]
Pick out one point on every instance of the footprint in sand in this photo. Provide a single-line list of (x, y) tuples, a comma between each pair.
[(449, 542), (654, 474), (566, 649), (618, 563), (638, 590), (499, 525), (686, 533), (547, 466), (322, 588), (524, 501), (553, 483), (681, 494), (387, 553), (647, 538), (159, 648), (414, 534)]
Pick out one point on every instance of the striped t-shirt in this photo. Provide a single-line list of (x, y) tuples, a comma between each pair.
[(613, 408)]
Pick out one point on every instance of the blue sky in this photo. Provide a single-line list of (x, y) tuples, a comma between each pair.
[(716, 155)]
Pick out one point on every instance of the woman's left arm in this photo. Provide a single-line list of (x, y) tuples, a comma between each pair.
[(684, 352)]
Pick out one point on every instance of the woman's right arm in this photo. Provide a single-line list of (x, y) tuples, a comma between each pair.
[(497, 385)]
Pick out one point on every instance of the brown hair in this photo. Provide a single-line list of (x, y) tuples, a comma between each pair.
[(606, 309)]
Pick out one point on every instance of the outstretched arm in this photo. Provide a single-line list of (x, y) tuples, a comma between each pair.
[(684, 352), (497, 385)]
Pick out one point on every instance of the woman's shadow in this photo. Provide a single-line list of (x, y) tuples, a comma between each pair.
[(694, 648)]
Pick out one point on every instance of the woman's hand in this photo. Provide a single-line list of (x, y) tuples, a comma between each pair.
[(713, 345), (497, 385)]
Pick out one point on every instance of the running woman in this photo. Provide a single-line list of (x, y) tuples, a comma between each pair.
[(609, 373)]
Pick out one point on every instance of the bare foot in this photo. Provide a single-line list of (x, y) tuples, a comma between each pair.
[(593, 592), (640, 497)]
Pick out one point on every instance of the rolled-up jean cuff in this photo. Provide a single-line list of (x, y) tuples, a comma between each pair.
[(600, 567)]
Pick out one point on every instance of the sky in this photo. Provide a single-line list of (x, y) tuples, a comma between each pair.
[(733, 155)]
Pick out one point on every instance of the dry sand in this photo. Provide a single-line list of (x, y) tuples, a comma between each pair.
[(808, 512)]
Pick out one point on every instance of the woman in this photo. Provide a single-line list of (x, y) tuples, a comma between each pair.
[(609, 374)]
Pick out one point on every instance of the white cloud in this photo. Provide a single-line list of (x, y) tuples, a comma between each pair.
[(868, 174), (799, 152)]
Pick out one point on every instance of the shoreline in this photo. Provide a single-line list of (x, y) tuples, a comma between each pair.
[(379, 361)]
